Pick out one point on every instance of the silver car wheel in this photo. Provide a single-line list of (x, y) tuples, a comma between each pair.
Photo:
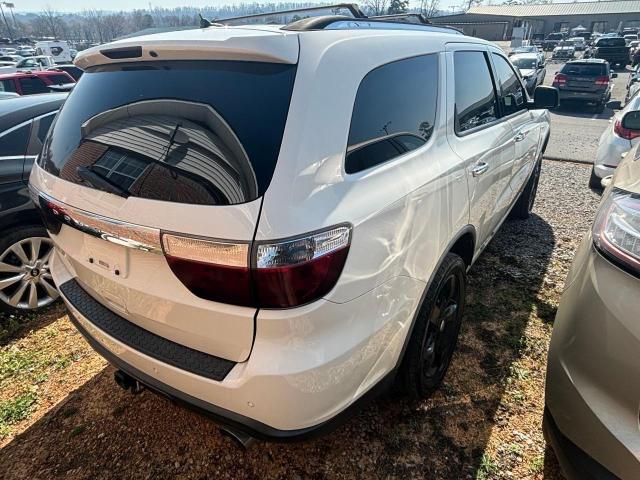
[(25, 279)]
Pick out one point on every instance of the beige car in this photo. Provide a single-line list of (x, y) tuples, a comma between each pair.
[(593, 378)]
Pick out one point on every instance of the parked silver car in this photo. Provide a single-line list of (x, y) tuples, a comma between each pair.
[(614, 143), (593, 377)]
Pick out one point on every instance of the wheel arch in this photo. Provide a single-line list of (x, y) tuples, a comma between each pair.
[(465, 239)]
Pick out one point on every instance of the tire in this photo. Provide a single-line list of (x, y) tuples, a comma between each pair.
[(595, 182), (435, 333), (524, 205), (25, 280)]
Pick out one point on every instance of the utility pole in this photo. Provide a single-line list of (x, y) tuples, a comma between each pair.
[(11, 6), (6, 23)]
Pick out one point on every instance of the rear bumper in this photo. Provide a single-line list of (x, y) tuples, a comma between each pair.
[(309, 366), (576, 464), (576, 95)]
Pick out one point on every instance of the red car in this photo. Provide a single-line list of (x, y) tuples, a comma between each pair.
[(28, 83)]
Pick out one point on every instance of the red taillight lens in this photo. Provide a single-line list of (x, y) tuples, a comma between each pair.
[(559, 79), (283, 274), (625, 133), (211, 269), (298, 271), (602, 80)]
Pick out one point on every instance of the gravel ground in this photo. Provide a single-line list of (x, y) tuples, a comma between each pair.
[(484, 423)]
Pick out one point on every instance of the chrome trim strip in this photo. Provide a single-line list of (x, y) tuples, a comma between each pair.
[(130, 235)]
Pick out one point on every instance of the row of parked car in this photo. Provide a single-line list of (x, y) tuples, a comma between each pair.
[(216, 249)]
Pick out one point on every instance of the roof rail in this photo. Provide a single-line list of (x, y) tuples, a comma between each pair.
[(404, 18), (348, 10), (336, 22), (342, 16)]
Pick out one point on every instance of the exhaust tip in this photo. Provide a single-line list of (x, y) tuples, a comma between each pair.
[(242, 439), (127, 382)]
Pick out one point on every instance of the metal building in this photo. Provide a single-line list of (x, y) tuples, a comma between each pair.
[(496, 22)]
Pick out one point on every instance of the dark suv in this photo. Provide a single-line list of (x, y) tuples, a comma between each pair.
[(586, 81), (25, 281)]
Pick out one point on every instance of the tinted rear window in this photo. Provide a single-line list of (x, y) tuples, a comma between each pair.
[(584, 70), (59, 79), (204, 132), (610, 42)]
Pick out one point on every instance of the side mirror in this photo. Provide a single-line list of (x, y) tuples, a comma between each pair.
[(545, 97), (614, 75), (631, 120)]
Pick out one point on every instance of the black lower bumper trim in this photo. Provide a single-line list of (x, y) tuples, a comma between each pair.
[(576, 463), (142, 340), (226, 417)]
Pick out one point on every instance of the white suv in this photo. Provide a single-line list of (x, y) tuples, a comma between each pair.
[(269, 222)]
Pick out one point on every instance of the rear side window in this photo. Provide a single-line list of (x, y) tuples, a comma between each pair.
[(197, 132), (14, 142), (585, 69), (512, 95), (476, 103), (31, 85), (7, 86), (39, 133), (394, 112)]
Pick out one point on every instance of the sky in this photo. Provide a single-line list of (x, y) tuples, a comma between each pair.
[(115, 5)]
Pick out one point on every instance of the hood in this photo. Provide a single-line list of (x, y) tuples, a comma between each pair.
[(526, 72)]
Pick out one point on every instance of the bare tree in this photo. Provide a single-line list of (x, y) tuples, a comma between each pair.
[(51, 22), (429, 8), (113, 26), (377, 7)]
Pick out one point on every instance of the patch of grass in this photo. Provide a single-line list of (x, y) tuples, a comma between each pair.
[(16, 409), (518, 373), (77, 430), (488, 467), (514, 449), (537, 464), (15, 362)]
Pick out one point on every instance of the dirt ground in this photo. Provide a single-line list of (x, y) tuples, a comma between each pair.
[(62, 416)]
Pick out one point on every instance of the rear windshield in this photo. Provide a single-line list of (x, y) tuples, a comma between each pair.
[(611, 42), (201, 132), (525, 63), (584, 69)]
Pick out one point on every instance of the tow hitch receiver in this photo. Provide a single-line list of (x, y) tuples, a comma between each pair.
[(127, 382)]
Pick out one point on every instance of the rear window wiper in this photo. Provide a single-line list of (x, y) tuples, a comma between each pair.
[(99, 182)]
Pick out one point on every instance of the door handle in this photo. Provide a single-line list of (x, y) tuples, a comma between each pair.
[(479, 169), (520, 136)]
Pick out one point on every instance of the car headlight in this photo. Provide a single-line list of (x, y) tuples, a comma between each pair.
[(616, 231)]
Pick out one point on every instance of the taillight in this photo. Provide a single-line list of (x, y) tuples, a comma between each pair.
[(559, 80), (602, 81), (616, 231), (280, 274), (625, 133)]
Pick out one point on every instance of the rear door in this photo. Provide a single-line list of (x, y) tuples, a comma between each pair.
[(479, 136), (526, 130), (182, 149)]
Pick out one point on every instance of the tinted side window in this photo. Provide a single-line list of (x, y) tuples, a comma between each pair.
[(31, 85), (7, 86), (14, 143), (513, 98), (476, 103), (39, 133), (394, 112)]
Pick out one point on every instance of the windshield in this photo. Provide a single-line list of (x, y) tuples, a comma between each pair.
[(199, 132), (525, 63)]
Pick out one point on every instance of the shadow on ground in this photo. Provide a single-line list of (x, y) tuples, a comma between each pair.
[(100, 431)]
